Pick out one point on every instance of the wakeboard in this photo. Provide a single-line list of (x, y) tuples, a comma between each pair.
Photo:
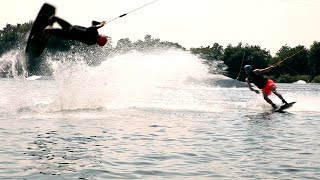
[(37, 39), (34, 77), (284, 107)]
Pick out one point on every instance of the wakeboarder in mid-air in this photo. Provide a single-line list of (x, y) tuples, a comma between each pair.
[(42, 30)]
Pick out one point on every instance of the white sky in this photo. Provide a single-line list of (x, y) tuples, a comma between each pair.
[(191, 23)]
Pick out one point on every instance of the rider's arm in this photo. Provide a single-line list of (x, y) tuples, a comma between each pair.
[(98, 24), (250, 87), (263, 71)]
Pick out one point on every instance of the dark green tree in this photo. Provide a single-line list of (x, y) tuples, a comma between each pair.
[(314, 58), (291, 61), (13, 36), (209, 53), (235, 56)]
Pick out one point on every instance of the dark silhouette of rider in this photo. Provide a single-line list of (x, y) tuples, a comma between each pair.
[(89, 36)]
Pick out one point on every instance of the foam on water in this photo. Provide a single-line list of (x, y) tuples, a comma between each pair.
[(306, 102)]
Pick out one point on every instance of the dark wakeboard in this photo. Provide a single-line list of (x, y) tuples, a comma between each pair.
[(37, 39), (284, 107)]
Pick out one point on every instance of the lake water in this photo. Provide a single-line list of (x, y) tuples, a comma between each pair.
[(154, 117)]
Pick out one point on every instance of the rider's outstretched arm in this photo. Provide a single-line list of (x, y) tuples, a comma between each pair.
[(250, 87)]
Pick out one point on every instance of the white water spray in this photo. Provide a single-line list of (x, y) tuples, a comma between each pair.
[(11, 63), (122, 80)]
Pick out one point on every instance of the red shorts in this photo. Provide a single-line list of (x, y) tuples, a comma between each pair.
[(267, 88)]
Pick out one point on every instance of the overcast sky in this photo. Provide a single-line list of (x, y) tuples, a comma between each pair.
[(191, 23)]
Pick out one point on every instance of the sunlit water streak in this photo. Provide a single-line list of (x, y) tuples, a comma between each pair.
[(153, 116)]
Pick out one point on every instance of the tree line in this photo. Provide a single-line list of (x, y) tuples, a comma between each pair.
[(292, 63), (304, 65)]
